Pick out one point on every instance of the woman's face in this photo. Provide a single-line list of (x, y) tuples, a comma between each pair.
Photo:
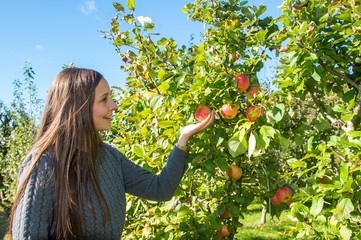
[(103, 106)]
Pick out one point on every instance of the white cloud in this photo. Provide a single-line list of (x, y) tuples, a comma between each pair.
[(88, 7), (39, 47)]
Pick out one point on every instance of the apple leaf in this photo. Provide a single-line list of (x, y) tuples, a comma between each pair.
[(118, 7), (345, 232), (139, 151), (156, 102), (234, 211), (237, 145), (166, 124), (219, 136), (267, 131), (317, 206), (278, 112), (343, 208), (343, 172), (131, 5), (222, 164)]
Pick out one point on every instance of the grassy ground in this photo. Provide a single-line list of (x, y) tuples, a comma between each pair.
[(253, 230), (3, 224)]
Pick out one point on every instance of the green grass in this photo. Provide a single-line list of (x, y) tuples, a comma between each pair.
[(3, 224), (253, 230)]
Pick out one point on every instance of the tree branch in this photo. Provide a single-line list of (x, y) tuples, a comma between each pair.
[(342, 76)]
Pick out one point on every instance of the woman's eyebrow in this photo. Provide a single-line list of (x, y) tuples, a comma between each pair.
[(105, 94)]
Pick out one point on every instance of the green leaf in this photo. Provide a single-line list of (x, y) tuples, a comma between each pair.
[(164, 87), (139, 151), (284, 142), (179, 78), (237, 145), (345, 232), (261, 35), (156, 102), (343, 172), (213, 221), (295, 163), (315, 75), (267, 131), (146, 112), (166, 124), (234, 211), (131, 5), (161, 74), (347, 117), (278, 112), (222, 164), (129, 19), (162, 42), (343, 209), (119, 7), (317, 206), (219, 136), (338, 108)]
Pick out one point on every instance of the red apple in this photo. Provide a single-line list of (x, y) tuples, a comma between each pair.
[(242, 82), (284, 195), (275, 201), (202, 113), (223, 232), (253, 117), (234, 172), (253, 91), (228, 111), (226, 213)]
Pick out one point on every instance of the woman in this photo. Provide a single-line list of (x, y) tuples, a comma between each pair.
[(72, 185)]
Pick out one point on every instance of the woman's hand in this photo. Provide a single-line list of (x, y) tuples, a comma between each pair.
[(190, 130)]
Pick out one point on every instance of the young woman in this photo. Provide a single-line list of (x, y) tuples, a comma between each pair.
[(72, 185)]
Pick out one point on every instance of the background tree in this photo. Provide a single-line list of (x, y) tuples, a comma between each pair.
[(18, 128)]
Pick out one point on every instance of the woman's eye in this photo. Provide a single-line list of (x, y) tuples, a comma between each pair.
[(104, 99)]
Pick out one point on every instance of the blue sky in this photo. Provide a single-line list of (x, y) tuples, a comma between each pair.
[(51, 33)]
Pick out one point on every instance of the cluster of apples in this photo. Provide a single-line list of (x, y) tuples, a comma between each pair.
[(234, 172), (283, 195), (227, 110)]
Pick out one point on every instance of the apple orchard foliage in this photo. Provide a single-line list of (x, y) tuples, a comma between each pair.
[(312, 120)]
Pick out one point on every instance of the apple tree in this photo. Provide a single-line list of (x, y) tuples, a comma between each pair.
[(320, 72), (166, 85)]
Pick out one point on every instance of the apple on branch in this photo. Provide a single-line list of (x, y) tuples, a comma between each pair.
[(234, 172), (242, 82), (202, 113), (284, 195), (226, 213), (275, 201), (223, 232), (253, 91), (228, 112), (253, 112)]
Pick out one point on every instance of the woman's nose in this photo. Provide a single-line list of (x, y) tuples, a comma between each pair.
[(113, 105)]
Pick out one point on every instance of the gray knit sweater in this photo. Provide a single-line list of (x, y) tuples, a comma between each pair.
[(117, 175)]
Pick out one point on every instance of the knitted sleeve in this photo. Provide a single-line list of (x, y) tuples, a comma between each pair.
[(142, 183), (34, 213)]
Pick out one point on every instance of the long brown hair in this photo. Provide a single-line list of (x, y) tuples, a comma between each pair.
[(68, 131)]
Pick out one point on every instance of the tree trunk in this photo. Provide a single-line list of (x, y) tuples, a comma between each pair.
[(263, 217)]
